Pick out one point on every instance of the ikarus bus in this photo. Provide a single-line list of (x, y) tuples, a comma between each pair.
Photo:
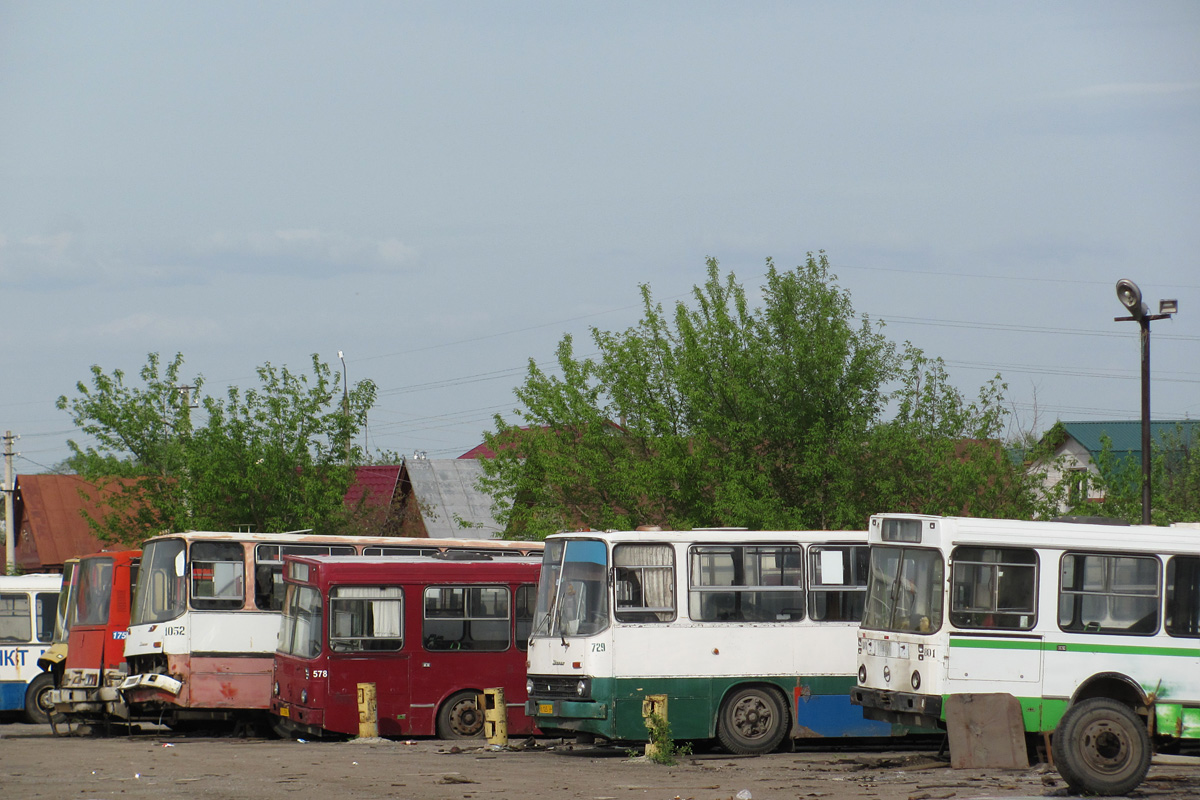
[(1094, 629), (206, 611), (747, 635)]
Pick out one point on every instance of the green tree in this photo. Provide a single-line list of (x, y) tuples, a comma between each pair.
[(277, 457), (724, 414), (1174, 480)]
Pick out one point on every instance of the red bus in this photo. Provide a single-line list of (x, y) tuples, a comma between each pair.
[(98, 615), (430, 632)]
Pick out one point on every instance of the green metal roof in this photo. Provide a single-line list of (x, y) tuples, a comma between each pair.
[(1127, 436)]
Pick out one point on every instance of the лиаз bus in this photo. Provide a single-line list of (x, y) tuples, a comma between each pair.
[(99, 609), (27, 609), (1094, 629), (429, 632), (205, 618), (750, 635)]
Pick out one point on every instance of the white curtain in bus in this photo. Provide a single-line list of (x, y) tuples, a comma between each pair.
[(385, 608), (656, 583)]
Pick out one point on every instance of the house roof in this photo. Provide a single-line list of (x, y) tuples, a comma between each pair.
[(448, 497), (1126, 435), (376, 483), (50, 523)]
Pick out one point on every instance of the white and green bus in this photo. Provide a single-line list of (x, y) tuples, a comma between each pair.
[(748, 635), (1094, 629)]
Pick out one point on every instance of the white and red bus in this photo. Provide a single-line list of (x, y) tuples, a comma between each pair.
[(206, 611), (98, 622), (430, 633)]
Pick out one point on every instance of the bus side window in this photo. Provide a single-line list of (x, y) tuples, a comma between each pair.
[(1109, 594), (47, 605), (644, 582), (1183, 596), (837, 582), (218, 576), (14, 618), (526, 599)]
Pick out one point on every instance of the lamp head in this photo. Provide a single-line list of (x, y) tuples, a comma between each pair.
[(1131, 297)]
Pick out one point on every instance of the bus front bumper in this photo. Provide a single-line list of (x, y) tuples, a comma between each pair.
[(151, 680), (903, 708), (562, 710)]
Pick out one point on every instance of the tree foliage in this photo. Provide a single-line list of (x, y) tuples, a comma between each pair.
[(273, 458), (1174, 481), (792, 415)]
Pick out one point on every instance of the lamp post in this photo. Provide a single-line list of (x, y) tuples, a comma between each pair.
[(1131, 297)]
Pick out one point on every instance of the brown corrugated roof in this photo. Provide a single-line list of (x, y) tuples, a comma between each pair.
[(49, 511)]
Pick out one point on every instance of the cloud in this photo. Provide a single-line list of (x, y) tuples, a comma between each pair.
[(64, 259), (299, 250), (148, 326)]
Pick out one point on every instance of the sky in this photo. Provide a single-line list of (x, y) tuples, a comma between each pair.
[(443, 190)]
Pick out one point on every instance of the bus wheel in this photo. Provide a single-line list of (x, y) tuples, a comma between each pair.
[(752, 721), (460, 717), (1101, 747), (38, 708)]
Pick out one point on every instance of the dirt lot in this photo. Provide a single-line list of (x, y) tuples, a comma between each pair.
[(158, 764)]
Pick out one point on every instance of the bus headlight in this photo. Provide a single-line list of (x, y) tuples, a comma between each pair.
[(529, 687), (862, 673), (916, 680), (583, 688), (276, 688), (303, 696), (887, 674)]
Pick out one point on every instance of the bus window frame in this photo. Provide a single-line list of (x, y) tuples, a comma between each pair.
[(993, 617), (1137, 627), (1170, 623)]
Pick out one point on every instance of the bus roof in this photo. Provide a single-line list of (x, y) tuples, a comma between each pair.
[(717, 536), (308, 537), (950, 531), (36, 581), (349, 569)]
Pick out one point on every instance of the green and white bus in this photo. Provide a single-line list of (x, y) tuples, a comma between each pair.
[(1094, 629), (749, 636)]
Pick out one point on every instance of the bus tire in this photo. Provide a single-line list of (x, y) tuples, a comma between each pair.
[(460, 717), (38, 709), (1101, 747), (752, 721)]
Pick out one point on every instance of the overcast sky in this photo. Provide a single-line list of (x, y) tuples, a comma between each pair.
[(443, 190)]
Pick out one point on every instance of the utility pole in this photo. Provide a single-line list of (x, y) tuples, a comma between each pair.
[(10, 535)]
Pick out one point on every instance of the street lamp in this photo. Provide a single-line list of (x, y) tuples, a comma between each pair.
[(1131, 297)]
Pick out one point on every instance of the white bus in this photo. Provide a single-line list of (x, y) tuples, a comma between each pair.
[(27, 608), (1094, 629), (749, 635), (206, 613)]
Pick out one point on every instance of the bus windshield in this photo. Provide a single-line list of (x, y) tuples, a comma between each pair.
[(573, 590), (301, 632), (905, 590), (65, 612), (160, 586)]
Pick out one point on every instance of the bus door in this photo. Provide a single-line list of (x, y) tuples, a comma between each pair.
[(87, 656), (464, 629), (367, 644)]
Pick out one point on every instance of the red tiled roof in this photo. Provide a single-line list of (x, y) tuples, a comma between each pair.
[(377, 483)]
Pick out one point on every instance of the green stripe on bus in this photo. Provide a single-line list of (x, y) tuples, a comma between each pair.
[(1061, 647)]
